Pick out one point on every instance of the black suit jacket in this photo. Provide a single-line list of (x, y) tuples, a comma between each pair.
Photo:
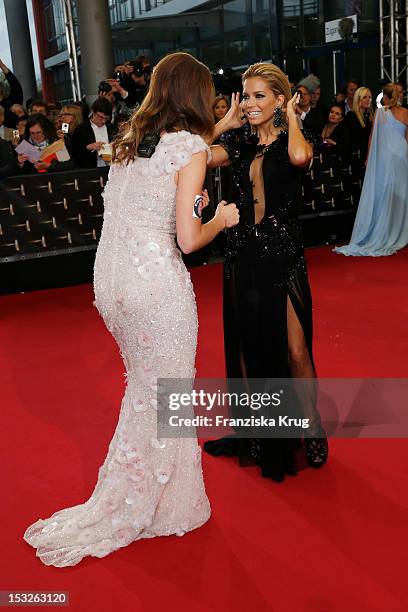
[(315, 120), (81, 137), (341, 136), (8, 159)]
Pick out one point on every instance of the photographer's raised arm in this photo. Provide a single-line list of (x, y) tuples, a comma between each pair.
[(192, 234), (16, 92)]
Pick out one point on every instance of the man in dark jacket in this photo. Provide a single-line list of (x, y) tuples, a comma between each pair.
[(8, 159), (89, 137), (313, 119)]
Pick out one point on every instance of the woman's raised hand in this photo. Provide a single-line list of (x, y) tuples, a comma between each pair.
[(292, 108), (235, 117), (229, 213)]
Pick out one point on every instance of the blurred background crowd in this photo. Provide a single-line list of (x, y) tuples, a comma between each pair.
[(82, 135)]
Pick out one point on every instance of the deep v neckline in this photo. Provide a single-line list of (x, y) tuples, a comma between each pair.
[(261, 149), (256, 178), (258, 188)]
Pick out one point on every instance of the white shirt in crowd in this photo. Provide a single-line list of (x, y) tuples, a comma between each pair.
[(101, 135)]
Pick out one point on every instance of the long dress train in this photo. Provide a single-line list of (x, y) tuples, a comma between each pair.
[(381, 225), (146, 486)]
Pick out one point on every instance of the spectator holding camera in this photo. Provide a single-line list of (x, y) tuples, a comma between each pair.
[(19, 132), (146, 66), (92, 134), (138, 79), (111, 90), (69, 119), (107, 91)]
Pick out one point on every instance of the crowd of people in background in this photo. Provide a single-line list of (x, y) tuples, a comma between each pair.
[(82, 134), (342, 127)]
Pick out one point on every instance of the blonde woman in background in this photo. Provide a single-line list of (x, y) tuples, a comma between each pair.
[(72, 115), (359, 121), (381, 225)]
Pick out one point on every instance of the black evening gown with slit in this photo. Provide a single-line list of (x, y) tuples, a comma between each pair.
[(265, 267)]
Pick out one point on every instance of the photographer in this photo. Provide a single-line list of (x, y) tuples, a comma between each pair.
[(134, 76), (112, 91)]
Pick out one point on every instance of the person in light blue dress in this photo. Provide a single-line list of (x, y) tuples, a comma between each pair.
[(381, 225)]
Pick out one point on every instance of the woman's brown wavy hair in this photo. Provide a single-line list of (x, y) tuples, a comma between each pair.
[(179, 98)]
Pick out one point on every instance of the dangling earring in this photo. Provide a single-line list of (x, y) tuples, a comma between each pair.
[(278, 119)]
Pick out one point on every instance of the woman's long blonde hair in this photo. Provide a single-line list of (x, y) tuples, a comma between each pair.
[(76, 111), (358, 96), (277, 80), (179, 98)]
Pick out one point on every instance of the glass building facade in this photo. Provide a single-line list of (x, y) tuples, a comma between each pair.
[(236, 33)]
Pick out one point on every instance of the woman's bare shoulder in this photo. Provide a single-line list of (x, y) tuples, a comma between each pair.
[(401, 114)]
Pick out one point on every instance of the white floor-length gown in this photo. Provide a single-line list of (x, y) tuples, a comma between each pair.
[(147, 486)]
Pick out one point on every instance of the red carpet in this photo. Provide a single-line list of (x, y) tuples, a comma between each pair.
[(326, 541)]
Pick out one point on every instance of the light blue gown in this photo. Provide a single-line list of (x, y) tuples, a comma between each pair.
[(381, 225)]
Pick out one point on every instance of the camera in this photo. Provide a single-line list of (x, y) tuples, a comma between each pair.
[(104, 87), (139, 70), (65, 128)]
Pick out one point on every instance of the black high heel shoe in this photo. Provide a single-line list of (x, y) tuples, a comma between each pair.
[(317, 448)]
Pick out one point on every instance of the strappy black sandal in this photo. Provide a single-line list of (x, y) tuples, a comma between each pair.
[(317, 449)]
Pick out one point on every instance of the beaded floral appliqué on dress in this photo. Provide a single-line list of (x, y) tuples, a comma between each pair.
[(146, 486)]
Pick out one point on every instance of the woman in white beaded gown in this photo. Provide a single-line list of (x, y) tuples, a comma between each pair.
[(147, 486)]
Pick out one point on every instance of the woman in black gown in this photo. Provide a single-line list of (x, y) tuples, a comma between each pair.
[(267, 300)]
